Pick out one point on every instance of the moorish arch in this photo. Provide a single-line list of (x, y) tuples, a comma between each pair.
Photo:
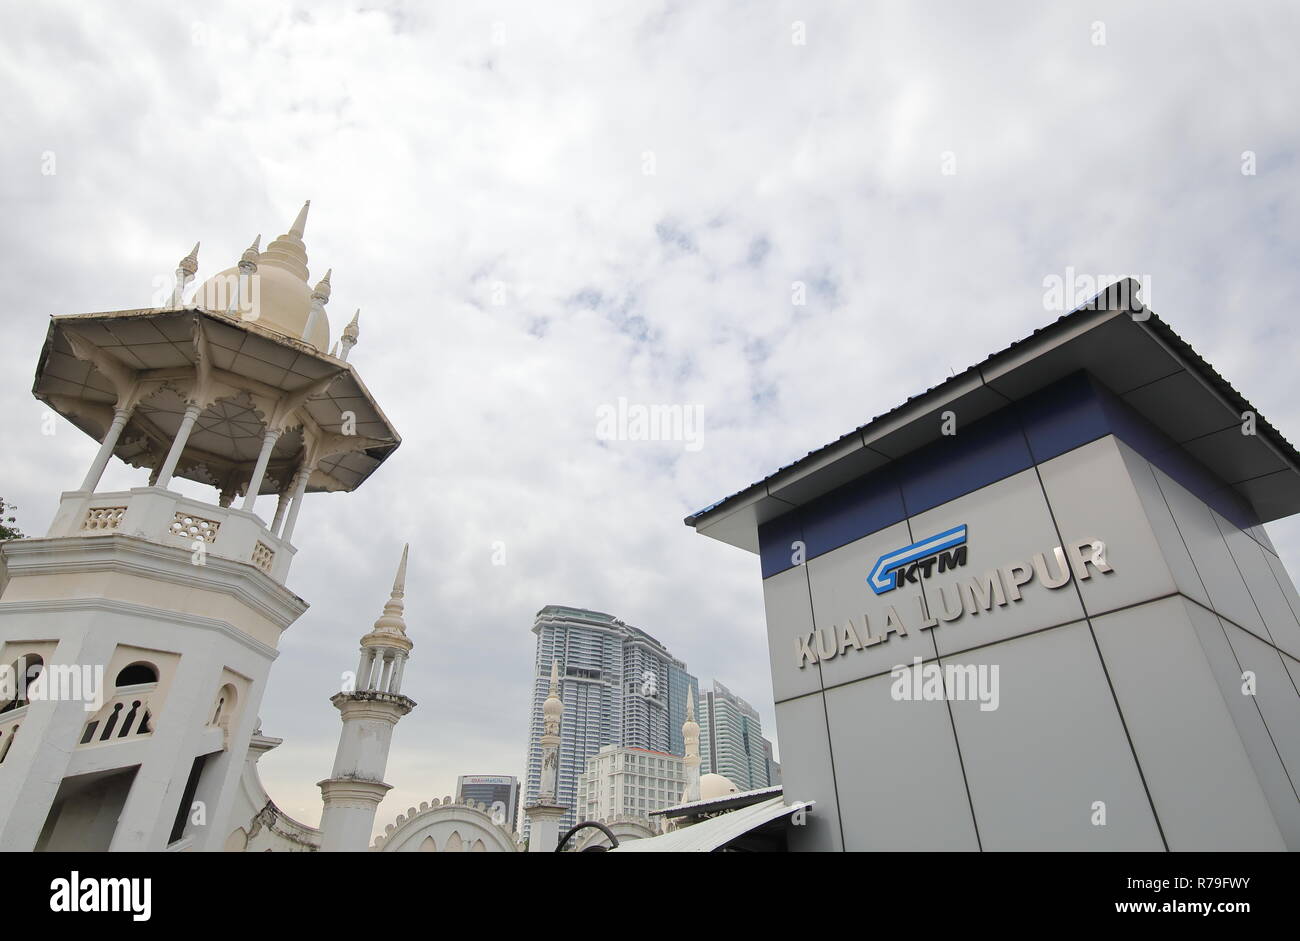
[(445, 826)]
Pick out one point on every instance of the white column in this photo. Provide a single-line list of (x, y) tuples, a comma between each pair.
[(363, 668), (299, 491), (182, 436), (395, 685), (382, 685), (280, 506), (259, 469), (120, 417)]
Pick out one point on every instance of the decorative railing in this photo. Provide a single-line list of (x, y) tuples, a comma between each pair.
[(168, 518), (101, 519), (126, 716), (194, 527), (9, 723), (263, 556)]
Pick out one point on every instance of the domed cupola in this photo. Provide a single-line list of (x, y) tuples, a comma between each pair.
[(275, 293)]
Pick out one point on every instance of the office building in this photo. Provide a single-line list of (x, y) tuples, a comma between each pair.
[(500, 792), (731, 740), (619, 686), (629, 782)]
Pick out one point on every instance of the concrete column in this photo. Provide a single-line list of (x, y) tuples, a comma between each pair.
[(356, 786), (363, 668), (299, 491), (349, 814), (120, 417), (259, 470), (543, 827), (382, 685), (174, 455), (395, 686), (280, 506)]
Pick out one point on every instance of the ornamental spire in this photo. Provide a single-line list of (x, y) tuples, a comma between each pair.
[(249, 258), (351, 333), (299, 227), (185, 269), (390, 628)]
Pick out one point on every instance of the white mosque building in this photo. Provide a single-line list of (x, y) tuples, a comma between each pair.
[(176, 605)]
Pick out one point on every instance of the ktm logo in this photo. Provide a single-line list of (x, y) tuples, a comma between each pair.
[(940, 552)]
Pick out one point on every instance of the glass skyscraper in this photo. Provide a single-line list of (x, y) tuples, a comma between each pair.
[(619, 686), (732, 742)]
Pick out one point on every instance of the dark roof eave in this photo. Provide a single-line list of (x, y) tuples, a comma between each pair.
[(1109, 304)]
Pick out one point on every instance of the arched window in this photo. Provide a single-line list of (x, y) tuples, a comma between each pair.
[(136, 674), (225, 704)]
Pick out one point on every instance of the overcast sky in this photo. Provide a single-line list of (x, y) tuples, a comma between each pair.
[(543, 207)]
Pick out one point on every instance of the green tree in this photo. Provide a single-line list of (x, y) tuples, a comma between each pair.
[(7, 517)]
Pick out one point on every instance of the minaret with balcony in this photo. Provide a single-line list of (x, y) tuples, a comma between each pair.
[(369, 712), (155, 615), (544, 814)]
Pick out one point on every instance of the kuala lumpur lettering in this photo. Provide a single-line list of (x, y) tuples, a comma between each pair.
[(979, 594)]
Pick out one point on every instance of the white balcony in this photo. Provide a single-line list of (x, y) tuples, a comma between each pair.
[(170, 519)]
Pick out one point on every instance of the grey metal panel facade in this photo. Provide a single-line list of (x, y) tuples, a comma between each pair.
[(1124, 687)]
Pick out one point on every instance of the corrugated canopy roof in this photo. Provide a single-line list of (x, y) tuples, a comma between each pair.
[(715, 833)]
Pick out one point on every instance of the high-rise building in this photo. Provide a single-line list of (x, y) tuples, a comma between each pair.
[(496, 790), (619, 686), (629, 781), (731, 740), (773, 766)]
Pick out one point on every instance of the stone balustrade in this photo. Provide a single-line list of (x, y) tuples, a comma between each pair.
[(170, 519)]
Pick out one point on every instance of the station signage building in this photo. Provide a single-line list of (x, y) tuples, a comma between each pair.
[(1035, 607)]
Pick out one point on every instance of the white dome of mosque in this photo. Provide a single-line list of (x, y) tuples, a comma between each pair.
[(713, 786), (283, 299)]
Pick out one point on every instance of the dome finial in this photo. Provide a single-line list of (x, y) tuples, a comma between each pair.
[(185, 269), (322, 291), (299, 227), (190, 263), (250, 254), (351, 333)]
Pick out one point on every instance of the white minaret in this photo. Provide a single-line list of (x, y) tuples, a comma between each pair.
[(370, 712), (544, 816), (691, 733)]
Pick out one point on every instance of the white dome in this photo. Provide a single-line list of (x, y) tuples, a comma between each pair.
[(713, 786), (283, 298)]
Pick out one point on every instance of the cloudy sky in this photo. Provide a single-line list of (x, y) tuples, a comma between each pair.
[(543, 208)]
